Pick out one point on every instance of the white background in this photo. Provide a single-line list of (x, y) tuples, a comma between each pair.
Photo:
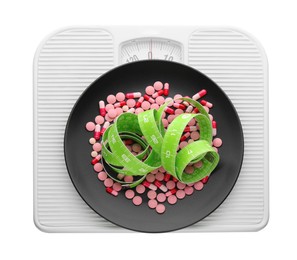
[(25, 23)]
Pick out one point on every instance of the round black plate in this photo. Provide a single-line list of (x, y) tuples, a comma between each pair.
[(135, 77)]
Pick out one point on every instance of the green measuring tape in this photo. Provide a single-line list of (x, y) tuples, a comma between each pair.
[(159, 146)]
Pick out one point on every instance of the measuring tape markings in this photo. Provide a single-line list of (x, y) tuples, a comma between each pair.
[(164, 145)]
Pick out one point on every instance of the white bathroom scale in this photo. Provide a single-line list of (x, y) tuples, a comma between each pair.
[(69, 60)]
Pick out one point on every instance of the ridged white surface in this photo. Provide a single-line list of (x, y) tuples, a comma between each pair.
[(238, 66), (67, 62)]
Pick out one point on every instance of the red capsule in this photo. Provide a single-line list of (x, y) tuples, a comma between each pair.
[(166, 89), (189, 109), (139, 102), (171, 192), (161, 186), (185, 136), (167, 177), (97, 132), (214, 128), (106, 125), (196, 110), (120, 104), (111, 191), (96, 159), (180, 106), (206, 103), (133, 95), (205, 179), (169, 110), (185, 102), (128, 142), (158, 93), (149, 99), (102, 110), (174, 179), (190, 128), (200, 94), (149, 185)]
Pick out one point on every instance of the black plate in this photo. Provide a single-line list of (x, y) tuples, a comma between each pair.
[(135, 77)]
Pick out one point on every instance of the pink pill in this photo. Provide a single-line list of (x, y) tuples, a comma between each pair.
[(189, 190), (210, 117), (137, 200), (92, 140), (108, 107), (189, 169), (136, 148), (98, 167), (198, 164), (112, 113), (190, 184), (149, 90), (90, 126), (161, 197), (102, 176), (129, 147), (180, 194), (198, 185), (140, 188), (150, 177), (170, 185), (138, 110), (119, 111), (131, 102), (129, 194), (192, 122), (160, 208), (94, 153), (128, 178), (165, 122), (108, 119), (152, 194), (195, 135), (178, 111), (216, 149), (161, 169), (160, 100), (183, 144), (170, 100), (180, 185), (99, 120), (176, 98), (145, 105), (120, 96), (172, 199), (159, 176), (97, 147), (155, 106), (111, 99), (117, 186), (108, 182), (217, 142), (190, 141), (158, 85), (152, 203), (154, 171), (170, 118)]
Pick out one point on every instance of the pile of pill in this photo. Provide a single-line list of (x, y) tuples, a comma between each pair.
[(159, 189)]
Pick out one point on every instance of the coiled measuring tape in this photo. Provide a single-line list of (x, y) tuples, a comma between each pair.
[(159, 146)]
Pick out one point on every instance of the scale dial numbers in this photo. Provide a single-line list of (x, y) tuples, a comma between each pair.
[(151, 49)]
